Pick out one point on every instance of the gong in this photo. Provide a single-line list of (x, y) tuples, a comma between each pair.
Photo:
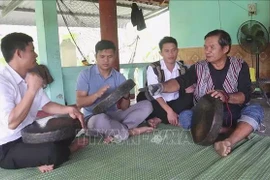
[(207, 120), (50, 129), (114, 97)]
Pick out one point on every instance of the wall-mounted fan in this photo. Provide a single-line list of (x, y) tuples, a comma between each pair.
[(253, 38)]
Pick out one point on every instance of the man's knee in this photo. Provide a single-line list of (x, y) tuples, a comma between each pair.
[(145, 107), (253, 115), (97, 121), (254, 111), (185, 118)]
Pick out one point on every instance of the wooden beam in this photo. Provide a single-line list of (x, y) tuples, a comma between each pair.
[(155, 13), (124, 5), (64, 13), (153, 2), (11, 6)]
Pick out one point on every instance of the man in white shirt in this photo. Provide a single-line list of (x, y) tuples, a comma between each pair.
[(167, 106), (21, 96)]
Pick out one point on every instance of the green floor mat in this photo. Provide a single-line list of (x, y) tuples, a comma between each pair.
[(167, 153)]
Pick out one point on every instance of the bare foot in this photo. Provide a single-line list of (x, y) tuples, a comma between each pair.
[(140, 130), (154, 122), (78, 144), (223, 148), (108, 140), (45, 168)]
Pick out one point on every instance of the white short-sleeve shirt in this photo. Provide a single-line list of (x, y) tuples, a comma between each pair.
[(12, 90), (153, 79)]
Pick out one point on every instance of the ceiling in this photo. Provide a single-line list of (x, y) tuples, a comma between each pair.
[(77, 13)]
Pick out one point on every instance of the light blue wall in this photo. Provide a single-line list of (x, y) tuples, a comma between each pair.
[(70, 75), (191, 20)]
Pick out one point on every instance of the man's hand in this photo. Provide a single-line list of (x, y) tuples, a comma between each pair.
[(220, 94), (34, 81), (126, 96), (190, 89), (76, 114), (155, 89), (172, 118), (101, 91)]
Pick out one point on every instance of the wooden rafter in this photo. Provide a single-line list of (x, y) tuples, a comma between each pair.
[(153, 2)]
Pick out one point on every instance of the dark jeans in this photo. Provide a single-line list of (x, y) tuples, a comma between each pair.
[(16, 154), (185, 101)]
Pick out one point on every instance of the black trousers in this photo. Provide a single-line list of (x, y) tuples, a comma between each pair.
[(185, 101), (16, 154)]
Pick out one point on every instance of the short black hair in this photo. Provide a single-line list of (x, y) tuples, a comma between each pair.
[(224, 38), (167, 39), (104, 44), (11, 42)]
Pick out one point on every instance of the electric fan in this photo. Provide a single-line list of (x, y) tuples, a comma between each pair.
[(253, 38)]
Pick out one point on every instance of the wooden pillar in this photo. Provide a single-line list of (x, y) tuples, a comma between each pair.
[(108, 24)]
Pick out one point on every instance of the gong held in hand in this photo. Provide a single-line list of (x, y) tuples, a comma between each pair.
[(50, 129), (207, 120), (114, 97)]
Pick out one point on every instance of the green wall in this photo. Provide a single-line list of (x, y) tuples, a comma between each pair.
[(191, 20)]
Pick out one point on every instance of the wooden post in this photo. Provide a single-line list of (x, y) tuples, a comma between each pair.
[(108, 24)]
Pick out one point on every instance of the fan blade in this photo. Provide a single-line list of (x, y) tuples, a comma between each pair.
[(261, 43), (255, 28), (246, 45), (259, 33), (245, 30)]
